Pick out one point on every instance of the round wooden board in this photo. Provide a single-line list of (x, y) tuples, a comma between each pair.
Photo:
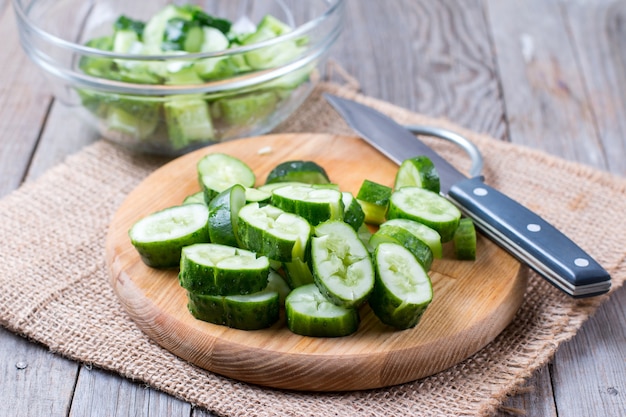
[(473, 301)]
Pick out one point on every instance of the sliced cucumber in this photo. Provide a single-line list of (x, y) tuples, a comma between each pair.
[(254, 195), (246, 109), (297, 273), (277, 283), (421, 231), (273, 232), (160, 236), (245, 312), (342, 267), (465, 240), (314, 204), (308, 172), (188, 120), (417, 172), (212, 269), (195, 198), (396, 234), (374, 199), (218, 171), (425, 207), (223, 213), (402, 290), (353, 212), (309, 313)]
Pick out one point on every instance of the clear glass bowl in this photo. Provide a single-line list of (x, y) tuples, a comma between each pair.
[(171, 115)]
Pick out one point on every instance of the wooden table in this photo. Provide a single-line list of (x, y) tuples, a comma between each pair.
[(547, 74)]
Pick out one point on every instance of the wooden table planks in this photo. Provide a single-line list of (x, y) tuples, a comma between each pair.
[(550, 74)]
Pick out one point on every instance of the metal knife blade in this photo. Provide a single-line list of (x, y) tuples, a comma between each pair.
[(514, 227)]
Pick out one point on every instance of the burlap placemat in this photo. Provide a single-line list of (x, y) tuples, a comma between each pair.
[(55, 283)]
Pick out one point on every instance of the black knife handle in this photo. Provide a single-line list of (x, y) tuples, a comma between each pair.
[(531, 239)]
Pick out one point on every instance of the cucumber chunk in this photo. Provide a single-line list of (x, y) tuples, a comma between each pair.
[(160, 236), (425, 207), (273, 232), (188, 121), (223, 213), (342, 267), (353, 212), (417, 172), (297, 273), (195, 198), (308, 172), (374, 199), (277, 283), (244, 312), (396, 234), (309, 313), (316, 205), (421, 231), (402, 290), (465, 240), (245, 109), (212, 269), (218, 171)]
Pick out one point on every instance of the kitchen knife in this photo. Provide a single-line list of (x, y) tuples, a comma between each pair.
[(514, 227)]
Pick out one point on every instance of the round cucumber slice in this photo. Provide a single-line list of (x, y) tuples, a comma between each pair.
[(223, 213), (342, 266), (212, 269), (245, 312), (417, 172), (425, 207), (402, 290), (195, 198), (313, 204), (273, 232), (307, 172), (160, 236), (374, 200), (309, 313), (218, 171), (465, 240), (396, 234), (421, 231)]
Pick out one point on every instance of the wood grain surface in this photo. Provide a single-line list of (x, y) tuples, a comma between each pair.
[(472, 303), (459, 59)]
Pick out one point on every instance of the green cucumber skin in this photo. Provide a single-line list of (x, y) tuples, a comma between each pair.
[(353, 214), (313, 212), (225, 311), (390, 309), (253, 239), (307, 325), (223, 215), (167, 254), (395, 234), (307, 172), (465, 240)]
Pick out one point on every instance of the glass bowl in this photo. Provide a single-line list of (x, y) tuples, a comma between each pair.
[(162, 93)]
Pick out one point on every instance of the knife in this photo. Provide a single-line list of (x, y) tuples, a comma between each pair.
[(524, 234)]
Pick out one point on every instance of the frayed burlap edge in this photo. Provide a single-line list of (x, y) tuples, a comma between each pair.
[(55, 288)]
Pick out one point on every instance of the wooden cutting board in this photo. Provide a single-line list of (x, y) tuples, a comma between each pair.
[(473, 301)]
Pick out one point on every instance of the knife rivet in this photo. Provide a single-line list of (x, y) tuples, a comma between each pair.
[(532, 227), (479, 191), (581, 262)]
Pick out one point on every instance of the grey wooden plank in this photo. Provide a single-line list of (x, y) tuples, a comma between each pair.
[(534, 399), (35, 382), (433, 57), (102, 394)]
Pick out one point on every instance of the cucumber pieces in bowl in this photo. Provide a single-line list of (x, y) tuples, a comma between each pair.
[(301, 243)]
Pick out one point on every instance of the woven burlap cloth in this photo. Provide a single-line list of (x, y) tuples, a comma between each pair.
[(55, 285)]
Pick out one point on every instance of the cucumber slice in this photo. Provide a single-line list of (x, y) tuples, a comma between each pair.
[(245, 312), (307, 172), (400, 236), (219, 171), (353, 212), (212, 269), (309, 313), (160, 236), (188, 120), (276, 283), (223, 211), (374, 199), (273, 232), (195, 198), (417, 172), (365, 234), (421, 231), (402, 290), (342, 267), (465, 240), (246, 109), (425, 207), (297, 273), (254, 195), (316, 205)]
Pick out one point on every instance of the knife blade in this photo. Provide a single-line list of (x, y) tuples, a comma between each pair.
[(521, 232)]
